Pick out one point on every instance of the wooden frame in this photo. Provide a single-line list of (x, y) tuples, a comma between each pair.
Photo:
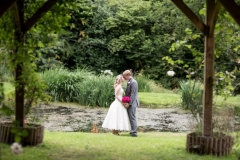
[(5, 5), (212, 10), (21, 29), (208, 71), (39, 13), (191, 15), (232, 7), (214, 17)]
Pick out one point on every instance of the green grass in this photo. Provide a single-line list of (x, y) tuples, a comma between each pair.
[(104, 146), (170, 100), (235, 101), (159, 100)]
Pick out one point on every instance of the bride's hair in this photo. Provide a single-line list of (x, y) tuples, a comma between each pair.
[(117, 80)]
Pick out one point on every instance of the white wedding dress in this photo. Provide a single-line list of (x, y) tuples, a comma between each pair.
[(117, 116)]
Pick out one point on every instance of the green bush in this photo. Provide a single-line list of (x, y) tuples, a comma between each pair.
[(169, 82), (62, 84), (191, 92), (79, 86), (143, 84), (147, 85), (5, 73), (96, 91)]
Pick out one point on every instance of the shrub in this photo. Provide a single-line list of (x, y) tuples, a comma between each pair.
[(79, 86), (62, 84), (169, 82), (5, 73), (143, 84), (191, 92), (96, 91), (147, 85)]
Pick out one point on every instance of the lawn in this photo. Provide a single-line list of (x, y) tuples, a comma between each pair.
[(159, 100), (170, 100), (104, 146), (231, 101)]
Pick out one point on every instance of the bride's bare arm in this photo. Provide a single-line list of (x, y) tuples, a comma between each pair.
[(118, 93)]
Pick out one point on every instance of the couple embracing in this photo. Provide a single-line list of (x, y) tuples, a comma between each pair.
[(122, 116)]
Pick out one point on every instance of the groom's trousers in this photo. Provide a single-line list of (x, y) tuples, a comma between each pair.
[(133, 120)]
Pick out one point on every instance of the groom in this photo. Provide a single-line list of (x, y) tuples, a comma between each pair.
[(132, 92)]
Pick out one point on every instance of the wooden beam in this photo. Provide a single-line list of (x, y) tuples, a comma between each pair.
[(39, 13), (191, 15), (18, 15), (208, 72), (214, 18), (5, 5), (232, 8)]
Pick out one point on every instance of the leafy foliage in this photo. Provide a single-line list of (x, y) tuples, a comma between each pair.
[(79, 86), (192, 98)]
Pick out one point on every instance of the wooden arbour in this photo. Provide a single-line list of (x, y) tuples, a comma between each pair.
[(207, 28), (22, 26)]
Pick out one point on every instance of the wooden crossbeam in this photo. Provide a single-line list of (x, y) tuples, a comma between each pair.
[(191, 15), (214, 17), (5, 5), (18, 15), (39, 13), (232, 8)]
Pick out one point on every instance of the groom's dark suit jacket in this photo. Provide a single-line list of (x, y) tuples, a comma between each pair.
[(132, 92)]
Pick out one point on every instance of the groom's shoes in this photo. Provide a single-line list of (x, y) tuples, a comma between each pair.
[(133, 134)]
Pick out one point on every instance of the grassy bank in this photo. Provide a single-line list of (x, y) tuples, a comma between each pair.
[(90, 146), (164, 99)]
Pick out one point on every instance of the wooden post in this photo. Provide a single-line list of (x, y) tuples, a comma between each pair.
[(19, 96), (208, 72), (21, 29), (19, 37)]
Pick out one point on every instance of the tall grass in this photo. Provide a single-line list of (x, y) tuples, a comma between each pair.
[(192, 97), (87, 89), (62, 84), (96, 91), (147, 85), (144, 84), (79, 86)]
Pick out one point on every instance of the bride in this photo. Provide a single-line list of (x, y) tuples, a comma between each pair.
[(117, 117)]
